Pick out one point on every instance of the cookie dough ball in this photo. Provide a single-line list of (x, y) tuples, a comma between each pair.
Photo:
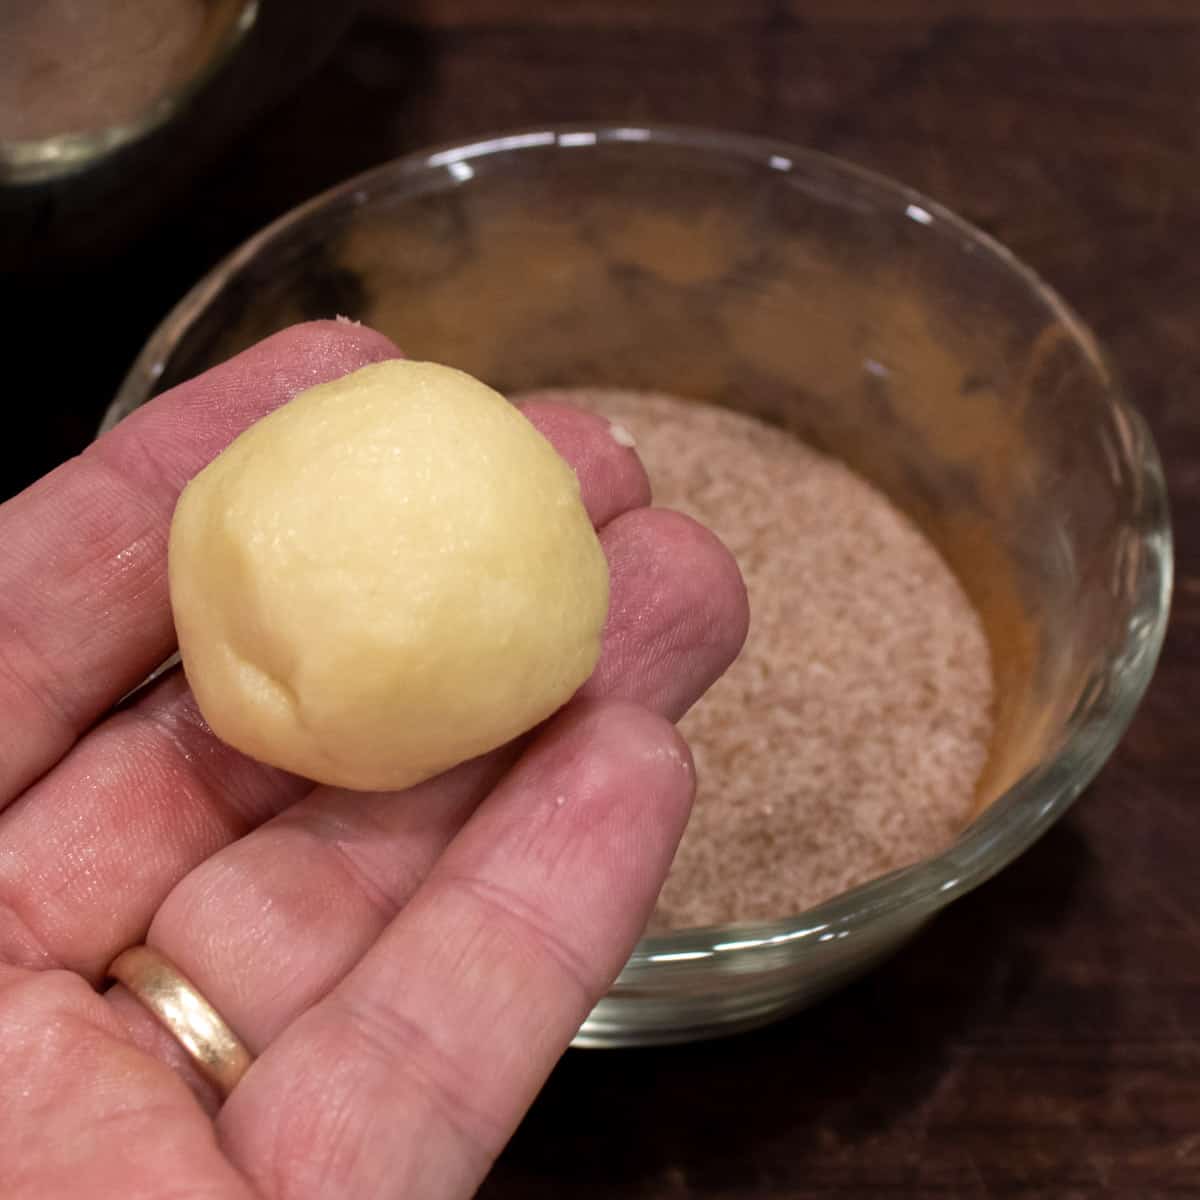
[(392, 573)]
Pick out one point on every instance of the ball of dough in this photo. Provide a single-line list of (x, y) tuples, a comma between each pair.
[(392, 573)]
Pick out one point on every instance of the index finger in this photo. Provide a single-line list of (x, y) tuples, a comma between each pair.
[(83, 584)]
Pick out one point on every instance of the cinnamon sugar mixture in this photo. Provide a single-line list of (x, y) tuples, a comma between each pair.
[(847, 739)]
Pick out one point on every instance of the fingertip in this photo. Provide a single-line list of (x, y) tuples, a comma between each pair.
[(606, 787), (679, 613), (285, 363), (177, 433), (719, 593), (611, 476), (331, 347), (634, 740)]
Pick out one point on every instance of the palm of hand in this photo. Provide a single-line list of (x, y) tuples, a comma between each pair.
[(407, 969)]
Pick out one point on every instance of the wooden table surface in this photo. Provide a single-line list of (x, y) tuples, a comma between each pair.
[(1042, 1039)]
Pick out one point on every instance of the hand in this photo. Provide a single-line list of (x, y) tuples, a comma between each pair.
[(405, 968)]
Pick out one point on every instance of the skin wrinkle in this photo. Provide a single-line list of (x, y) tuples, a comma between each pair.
[(53, 710), (127, 557), (694, 622), (20, 945), (128, 465), (377, 895), (505, 906), (535, 838), (178, 724), (148, 749), (270, 918), (65, 717), (447, 1084)]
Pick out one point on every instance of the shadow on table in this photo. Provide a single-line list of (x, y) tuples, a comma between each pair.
[(713, 1118)]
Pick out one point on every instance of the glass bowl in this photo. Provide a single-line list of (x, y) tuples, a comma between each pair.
[(76, 197), (221, 25), (833, 303)]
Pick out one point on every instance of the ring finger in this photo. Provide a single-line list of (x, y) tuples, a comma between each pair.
[(269, 925)]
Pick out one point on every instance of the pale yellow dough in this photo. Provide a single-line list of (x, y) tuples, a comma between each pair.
[(389, 575)]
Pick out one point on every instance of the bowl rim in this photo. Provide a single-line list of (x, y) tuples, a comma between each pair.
[(1028, 807)]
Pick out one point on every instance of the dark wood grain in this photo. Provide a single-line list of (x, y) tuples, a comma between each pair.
[(1042, 1039)]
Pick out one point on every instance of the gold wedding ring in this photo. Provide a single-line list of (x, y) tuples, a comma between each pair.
[(175, 1001)]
